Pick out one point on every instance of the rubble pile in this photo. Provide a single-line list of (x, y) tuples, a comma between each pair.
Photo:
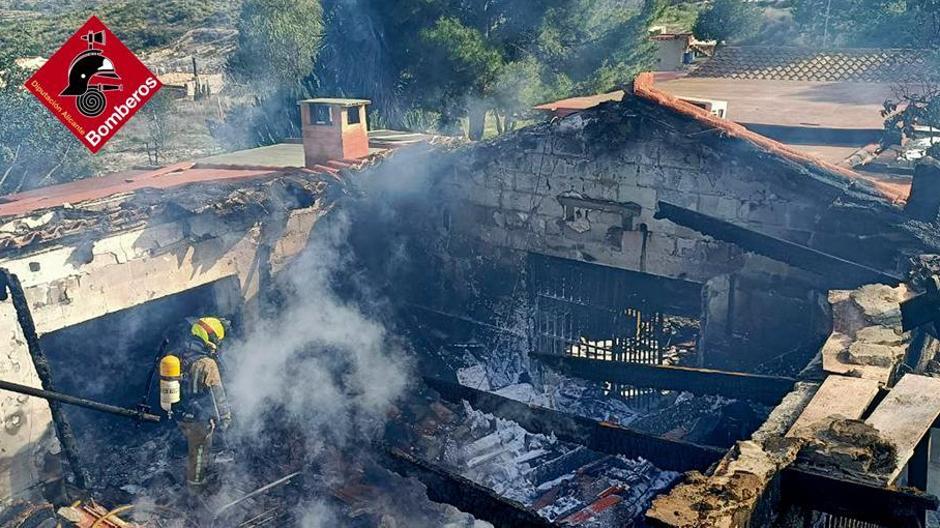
[(695, 418), (728, 497), (851, 447), (562, 482), (866, 340)]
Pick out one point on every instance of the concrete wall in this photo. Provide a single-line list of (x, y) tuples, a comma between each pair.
[(125, 270), (668, 52), (514, 198), (585, 187)]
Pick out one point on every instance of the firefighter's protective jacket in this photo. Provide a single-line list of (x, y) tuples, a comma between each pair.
[(203, 393)]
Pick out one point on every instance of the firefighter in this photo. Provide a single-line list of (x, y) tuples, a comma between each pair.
[(203, 407)]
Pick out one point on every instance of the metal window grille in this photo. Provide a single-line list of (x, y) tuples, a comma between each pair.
[(592, 311)]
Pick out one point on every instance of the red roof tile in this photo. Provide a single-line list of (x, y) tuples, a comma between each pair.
[(117, 183), (643, 87)]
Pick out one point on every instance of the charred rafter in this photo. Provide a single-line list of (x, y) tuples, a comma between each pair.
[(450, 488), (604, 437), (841, 273), (857, 500), (764, 389), (821, 492)]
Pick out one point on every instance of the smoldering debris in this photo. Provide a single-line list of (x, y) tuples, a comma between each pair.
[(851, 448), (562, 482), (706, 419), (320, 364), (242, 202)]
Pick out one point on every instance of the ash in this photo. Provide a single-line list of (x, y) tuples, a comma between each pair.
[(562, 482), (704, 419)]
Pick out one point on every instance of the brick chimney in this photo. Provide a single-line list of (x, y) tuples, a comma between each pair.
[(334, 129)]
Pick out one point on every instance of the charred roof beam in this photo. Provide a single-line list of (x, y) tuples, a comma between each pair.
[(764, 389), (806, 488), (604, 437), (839, 272)]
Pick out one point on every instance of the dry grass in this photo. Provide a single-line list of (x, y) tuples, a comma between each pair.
[(189, 137)]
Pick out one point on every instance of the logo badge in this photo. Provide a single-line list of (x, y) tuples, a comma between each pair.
[(93, 84)]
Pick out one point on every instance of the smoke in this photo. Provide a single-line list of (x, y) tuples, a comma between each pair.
[(322, 361), (317, 515)]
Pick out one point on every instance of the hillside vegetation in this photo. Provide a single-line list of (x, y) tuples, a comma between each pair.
[(470, 67), (42, 25)]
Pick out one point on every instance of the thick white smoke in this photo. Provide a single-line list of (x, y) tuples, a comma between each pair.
[(321, 359)]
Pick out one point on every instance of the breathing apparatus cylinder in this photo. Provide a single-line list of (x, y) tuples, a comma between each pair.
[(170, 372)]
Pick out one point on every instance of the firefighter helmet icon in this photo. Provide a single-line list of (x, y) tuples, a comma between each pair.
[(90, 75)]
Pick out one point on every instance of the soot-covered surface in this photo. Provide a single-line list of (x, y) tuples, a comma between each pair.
[(561, 481)]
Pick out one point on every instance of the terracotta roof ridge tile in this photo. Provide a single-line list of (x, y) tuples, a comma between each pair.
[(643, 87)]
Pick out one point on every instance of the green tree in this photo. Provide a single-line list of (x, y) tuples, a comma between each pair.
[(869, 23), (464, 67), (592, 46), (508, 56), (431, 64), (726, 20), (519, 87), (35, 148), (278, 42)]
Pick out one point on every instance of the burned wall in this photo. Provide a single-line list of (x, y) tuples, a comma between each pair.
[(585, 187), (174, 241)]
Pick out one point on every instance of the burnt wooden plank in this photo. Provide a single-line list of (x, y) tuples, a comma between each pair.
[(837, 396), (841, 273), (604, 437), (464, 494), (906, 415), (806, 488), (765, 389), (857, 500)]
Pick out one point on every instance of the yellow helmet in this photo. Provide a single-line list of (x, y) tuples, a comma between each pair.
[(209, 330)]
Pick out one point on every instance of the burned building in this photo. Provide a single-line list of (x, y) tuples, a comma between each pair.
[(638, 314)]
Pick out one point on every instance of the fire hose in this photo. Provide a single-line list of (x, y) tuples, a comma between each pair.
[(80, 402)]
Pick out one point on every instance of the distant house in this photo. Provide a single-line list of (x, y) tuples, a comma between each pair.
[(183, 84), (677, 50), (30, 63)]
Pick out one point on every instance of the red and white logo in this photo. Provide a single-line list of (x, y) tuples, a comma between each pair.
[(93, 84)]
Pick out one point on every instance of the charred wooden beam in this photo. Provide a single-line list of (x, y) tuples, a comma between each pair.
[(604, 437), (923, 308), (857, 500), (11, 288), (450, 488), (841, 273), (806, 488), (764, 389)]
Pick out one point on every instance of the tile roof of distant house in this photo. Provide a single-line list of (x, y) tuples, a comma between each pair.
[(809, 64)]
